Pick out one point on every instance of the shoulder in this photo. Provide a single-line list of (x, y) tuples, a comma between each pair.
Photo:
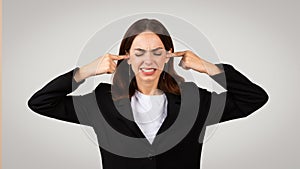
[(191, 88), (103, 87), (187, 86), (103, 90)]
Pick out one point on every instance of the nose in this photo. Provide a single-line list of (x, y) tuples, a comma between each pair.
[(148, 62), (148, 59)]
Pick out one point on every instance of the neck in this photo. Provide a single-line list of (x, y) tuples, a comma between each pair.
[(148, 88)]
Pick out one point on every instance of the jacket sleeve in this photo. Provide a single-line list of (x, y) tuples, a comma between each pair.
[(52, 100), (241, 99)]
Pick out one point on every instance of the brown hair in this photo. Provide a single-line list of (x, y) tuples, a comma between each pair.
[(121, 77)]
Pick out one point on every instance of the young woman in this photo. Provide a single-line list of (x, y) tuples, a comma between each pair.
[(147, 99)]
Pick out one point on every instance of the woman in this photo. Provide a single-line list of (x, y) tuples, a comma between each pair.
[(146, 99)]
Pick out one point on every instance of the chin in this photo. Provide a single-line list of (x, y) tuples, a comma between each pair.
[(147, 78)]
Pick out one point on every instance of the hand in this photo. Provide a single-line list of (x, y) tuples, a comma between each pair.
[(101, 65), (190, 60)]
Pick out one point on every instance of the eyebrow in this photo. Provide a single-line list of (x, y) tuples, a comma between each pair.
[(143, 50)]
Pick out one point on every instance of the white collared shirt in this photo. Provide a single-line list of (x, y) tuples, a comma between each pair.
[(149, 112)]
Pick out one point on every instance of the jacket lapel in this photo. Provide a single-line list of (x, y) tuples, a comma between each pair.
[(172, 111), (125, 115), (120, 111)]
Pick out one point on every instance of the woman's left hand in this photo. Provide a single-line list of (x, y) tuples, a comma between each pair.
[(190, 60)]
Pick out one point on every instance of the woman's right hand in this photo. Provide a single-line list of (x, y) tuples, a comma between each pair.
[(101, 65)]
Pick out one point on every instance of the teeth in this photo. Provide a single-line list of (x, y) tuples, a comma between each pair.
[(148, 70)]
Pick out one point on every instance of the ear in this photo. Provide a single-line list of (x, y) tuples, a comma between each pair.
[(169, 52), (167, 60), (128, 60)]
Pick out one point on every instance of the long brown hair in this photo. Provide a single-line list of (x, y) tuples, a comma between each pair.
[(121, 80)]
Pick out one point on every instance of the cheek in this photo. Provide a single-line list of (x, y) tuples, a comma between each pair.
[(161, 63), (135, 64)]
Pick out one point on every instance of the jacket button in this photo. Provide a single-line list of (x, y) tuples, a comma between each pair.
[(150, 156)]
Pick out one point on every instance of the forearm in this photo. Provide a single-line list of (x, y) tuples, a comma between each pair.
[(81, 74), (211, 69), (52, 99), (53, 92), (242, 98), (246, 95)]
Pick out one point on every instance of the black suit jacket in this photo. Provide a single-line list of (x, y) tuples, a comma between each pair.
[(178, 143)]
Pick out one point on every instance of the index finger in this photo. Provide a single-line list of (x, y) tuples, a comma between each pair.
[(176, 54), (118, 57)]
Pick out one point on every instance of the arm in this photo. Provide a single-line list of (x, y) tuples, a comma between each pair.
[(52, 100), (241, 99)]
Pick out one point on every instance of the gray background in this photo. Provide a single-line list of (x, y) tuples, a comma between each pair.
[(43, 38)]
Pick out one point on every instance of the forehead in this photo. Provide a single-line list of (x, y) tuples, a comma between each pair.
[(147, 41)]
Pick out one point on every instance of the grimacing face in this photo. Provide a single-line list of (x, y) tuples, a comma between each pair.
[(147, 57)]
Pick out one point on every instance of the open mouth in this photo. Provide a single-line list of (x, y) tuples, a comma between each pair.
[(147, 69)]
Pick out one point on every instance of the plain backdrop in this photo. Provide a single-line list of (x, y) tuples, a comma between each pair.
[(43, 39)]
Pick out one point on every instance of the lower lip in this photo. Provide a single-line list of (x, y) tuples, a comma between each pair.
[(148, 73)]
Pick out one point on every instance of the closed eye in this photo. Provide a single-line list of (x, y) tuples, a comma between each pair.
[(154, 53), (139, 54)]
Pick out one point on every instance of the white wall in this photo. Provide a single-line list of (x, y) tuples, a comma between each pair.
[(42, 39)]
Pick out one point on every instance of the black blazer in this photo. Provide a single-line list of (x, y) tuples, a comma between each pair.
[(178, 143)]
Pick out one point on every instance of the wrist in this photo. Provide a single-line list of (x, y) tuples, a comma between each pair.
[(80, 74), (212, 69)]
